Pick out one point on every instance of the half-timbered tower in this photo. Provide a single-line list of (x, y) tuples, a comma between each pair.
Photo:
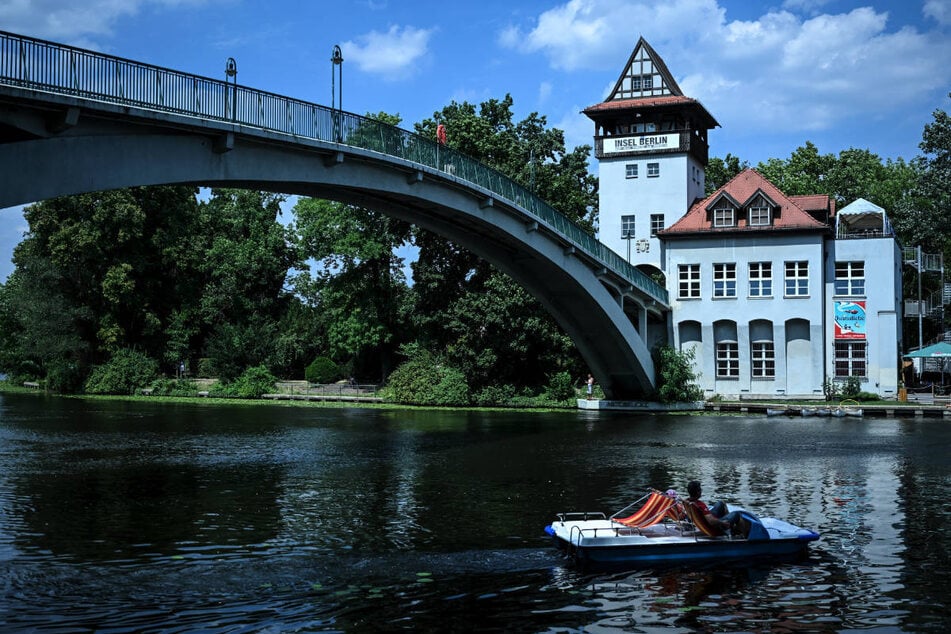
[(651, 144)]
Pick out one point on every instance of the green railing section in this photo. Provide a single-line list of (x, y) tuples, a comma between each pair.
[(56, 68)]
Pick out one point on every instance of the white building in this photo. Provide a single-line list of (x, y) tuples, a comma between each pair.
[(864, 296), (774, 294), (744, 271)]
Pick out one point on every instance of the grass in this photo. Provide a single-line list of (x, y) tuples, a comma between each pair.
[(211, 401)]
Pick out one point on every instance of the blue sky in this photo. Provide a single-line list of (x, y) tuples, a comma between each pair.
[(839, 73)]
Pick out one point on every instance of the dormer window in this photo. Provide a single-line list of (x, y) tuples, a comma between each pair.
[(724, 217), (723, 211), (760, 210), (760, 216)]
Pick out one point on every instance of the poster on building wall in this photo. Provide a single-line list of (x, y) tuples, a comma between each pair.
[(849, 320)]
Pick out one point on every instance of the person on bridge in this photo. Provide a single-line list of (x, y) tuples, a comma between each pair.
[(441, 134)]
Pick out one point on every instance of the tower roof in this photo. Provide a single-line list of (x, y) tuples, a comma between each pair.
[(646, 83)]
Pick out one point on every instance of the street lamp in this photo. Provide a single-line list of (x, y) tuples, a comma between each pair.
[(336, 68), (231, 76)]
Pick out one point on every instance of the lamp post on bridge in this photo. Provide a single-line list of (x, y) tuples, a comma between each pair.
[(231, 77), (336, 69)]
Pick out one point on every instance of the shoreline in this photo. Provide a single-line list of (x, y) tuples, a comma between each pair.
[(876, 410)]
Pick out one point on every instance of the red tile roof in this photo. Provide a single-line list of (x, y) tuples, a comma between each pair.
[(792, 209), (641, 102), (815, 202)]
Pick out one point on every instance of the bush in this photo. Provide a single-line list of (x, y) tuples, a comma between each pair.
[(675, 375), (561, 387), (425, 380), (174, 387), (852, 387), (494, 395), (204, 368), (831, 389), (252, 383), (322, 370), (64, 376), (125, 373)]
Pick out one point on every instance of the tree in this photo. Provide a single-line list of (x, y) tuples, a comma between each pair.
[(802, 174), (358, 285), (147, 268), (927, 211), (245, 267), (851, 175), (488, 326), (923, 216), (99, 272), (676, 380), (497, 334), (719, 171)]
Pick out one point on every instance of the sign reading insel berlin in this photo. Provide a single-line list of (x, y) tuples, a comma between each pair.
[(849, 320), (615, 145)]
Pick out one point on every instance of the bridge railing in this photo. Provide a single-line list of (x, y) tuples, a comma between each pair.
[(40, 65)]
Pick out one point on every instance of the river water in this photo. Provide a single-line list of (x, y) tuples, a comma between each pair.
[(156, 517)]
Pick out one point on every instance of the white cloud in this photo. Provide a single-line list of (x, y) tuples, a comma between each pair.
[(70, 21), (578, 129), (938, 10), (394, 54), (589, 33), (778, 70)]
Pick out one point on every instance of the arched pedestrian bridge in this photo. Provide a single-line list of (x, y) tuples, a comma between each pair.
[(74, 121)]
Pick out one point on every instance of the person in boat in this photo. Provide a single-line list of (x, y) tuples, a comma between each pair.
[(717, 516)]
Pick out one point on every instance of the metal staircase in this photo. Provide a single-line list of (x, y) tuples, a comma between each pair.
[(932, 305)]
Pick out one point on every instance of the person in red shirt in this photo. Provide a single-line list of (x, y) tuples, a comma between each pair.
[(717, 516)]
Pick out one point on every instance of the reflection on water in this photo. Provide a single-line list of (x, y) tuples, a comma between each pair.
[(158, 517)]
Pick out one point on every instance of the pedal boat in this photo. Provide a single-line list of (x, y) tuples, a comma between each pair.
[(669, 531)]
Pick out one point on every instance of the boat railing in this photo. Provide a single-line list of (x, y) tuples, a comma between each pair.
[(581, 516), (578, 533)]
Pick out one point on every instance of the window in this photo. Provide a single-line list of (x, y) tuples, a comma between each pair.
[(761, 279), (627, 226), (728, 360), (760, 216), (849, 358), (850, 278), (653, 170), (763, 360), (689, 281), (797, 279), (657, 223), (724, 280), (724, 217), (642, 82), (630, 170)]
